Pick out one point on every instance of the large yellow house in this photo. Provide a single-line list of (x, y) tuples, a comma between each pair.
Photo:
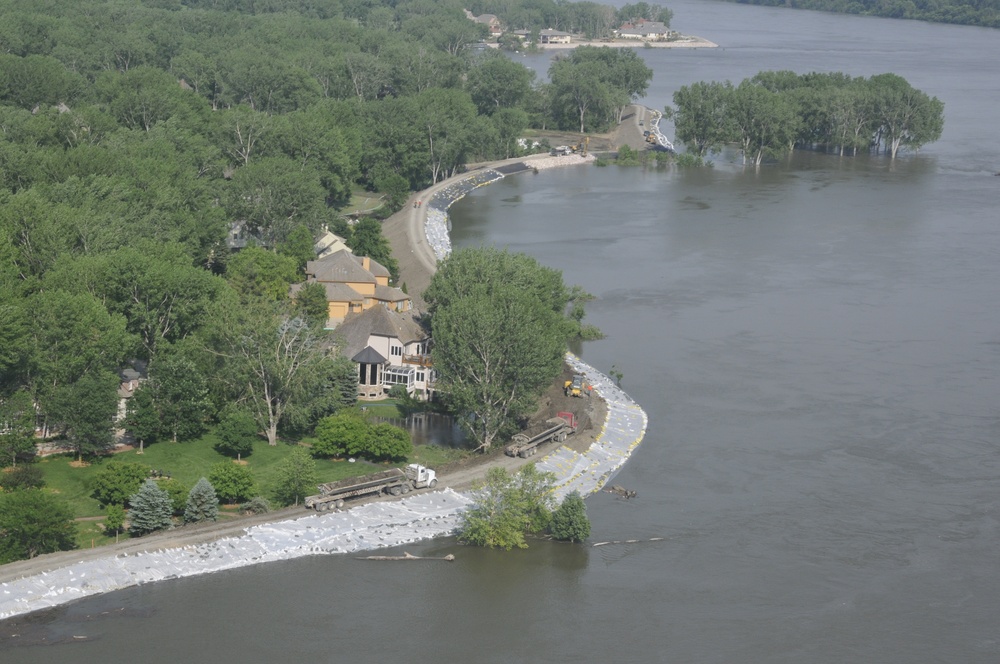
[(353, 284)]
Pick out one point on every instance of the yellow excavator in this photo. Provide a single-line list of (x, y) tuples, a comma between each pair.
[(577, 387), (581, 147)]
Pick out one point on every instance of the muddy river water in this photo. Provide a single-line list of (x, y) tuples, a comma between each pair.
[(817, 346)]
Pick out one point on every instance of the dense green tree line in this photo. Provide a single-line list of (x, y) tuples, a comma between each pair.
[(135, 138), (984, 13), (590, 19), (774, 112)]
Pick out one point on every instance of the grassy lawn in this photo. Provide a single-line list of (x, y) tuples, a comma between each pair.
[(363, 202), (188, 462)]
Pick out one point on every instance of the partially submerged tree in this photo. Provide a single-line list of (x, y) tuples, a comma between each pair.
[(569, 521), (507, 507)]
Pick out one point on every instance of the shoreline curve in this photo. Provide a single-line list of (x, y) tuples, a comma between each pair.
[(364, 527)]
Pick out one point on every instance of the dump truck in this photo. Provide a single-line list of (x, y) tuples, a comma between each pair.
[(394, 481), (558, 428), (577, 387)]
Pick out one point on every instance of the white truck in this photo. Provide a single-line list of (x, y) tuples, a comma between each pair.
[(395, 481)]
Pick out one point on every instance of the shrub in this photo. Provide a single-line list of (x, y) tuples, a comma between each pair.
[(233, 483), (388, 443), (118, 480), (22, 477), (256, 505)]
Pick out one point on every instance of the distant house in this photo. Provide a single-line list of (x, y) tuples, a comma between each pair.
[(389, 348), (130, 379), (644, 30), (353, 284), (491, 22), (329, 244), (549, 36)]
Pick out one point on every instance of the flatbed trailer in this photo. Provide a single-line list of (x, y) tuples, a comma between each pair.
[(559, 427), (394, 481)]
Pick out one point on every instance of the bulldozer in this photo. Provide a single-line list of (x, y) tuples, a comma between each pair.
[(577, 387)]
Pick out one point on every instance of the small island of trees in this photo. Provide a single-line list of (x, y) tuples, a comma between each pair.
[(774, 112)]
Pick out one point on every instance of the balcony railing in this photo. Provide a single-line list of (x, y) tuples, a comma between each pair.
[(419, 360)]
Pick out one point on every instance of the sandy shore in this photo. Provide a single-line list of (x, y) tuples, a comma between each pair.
[(685, 41)]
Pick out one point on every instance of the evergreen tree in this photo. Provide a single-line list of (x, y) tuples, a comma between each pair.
[(202, 503), (151, 510), (570, 522)]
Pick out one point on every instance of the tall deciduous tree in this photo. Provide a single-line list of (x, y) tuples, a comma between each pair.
[(272, 359), (499, 335), (86, 410), (498, 82), (17, 427), (32, 523)]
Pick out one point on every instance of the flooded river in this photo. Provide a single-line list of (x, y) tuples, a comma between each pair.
[(817, 346)]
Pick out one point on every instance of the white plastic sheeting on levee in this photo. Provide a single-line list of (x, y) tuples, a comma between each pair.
[(623, 429), (370, 526), (366, 527)]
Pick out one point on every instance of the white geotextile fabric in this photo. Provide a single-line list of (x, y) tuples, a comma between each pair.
[(370, 526), (366, 527)]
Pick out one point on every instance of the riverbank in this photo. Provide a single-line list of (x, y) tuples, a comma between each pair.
[(63, 577), (684, 41)]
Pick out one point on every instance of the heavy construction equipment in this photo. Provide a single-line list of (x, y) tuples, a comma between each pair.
[(577, 387)]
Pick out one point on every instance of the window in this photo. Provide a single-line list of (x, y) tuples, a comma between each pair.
[(420, 376), (396, 350)]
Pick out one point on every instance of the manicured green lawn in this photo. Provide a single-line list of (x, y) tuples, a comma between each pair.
[(188, 462)]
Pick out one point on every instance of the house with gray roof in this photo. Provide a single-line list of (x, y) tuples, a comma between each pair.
[(389, 348), (353, 284)]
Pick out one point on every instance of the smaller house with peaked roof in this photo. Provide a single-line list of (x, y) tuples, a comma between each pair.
[(389, 348)]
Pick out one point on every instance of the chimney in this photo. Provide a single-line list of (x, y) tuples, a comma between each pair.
[(366, 263)]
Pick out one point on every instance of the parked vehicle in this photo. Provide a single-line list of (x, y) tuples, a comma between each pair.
[(559, 427), (395, 481)]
